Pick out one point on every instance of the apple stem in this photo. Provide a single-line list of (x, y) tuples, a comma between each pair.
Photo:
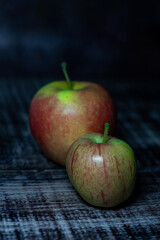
[(105, 137), (64, 69)]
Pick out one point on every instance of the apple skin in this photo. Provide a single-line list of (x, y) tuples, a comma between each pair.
[(58, 115), (104, 174)]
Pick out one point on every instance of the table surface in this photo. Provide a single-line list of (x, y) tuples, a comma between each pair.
[(37, 200)]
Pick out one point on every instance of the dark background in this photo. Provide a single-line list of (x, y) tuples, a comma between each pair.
[(114, 43), (98, 39)]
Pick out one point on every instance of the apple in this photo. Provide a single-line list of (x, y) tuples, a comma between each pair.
[(62, 111), (102, 169)]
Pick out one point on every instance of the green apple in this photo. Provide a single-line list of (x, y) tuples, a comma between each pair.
[(102, 169)]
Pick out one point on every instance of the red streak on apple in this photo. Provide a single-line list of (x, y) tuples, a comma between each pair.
[(91, 196), (73, 158), (104, 165), (99, 148), (103, 197), (93, 156), (117, 165)]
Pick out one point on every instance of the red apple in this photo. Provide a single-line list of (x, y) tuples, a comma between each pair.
[(62, 111), (102, 169)]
